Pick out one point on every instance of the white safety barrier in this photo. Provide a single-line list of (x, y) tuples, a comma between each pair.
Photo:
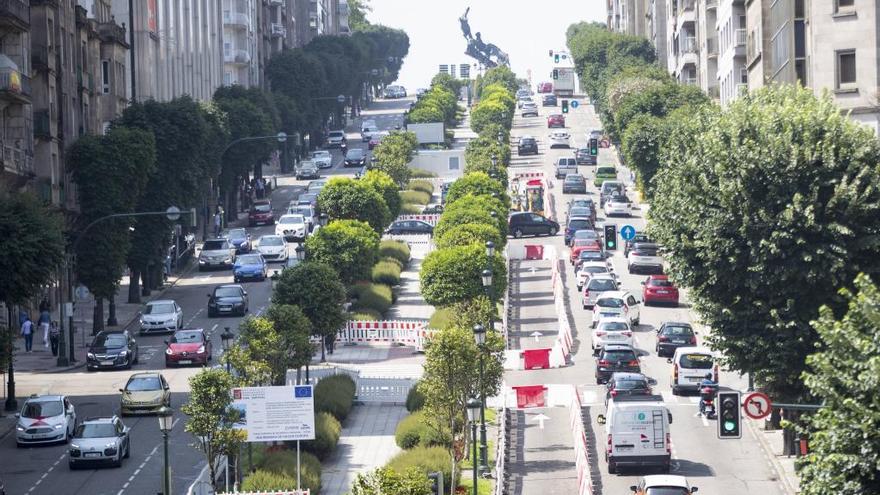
[(430, 218), (555, 395), (561, 350), (501, 451), (273, 492), (393, 332), (581, 452)]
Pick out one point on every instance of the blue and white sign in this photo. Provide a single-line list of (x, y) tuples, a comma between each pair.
[(275, 414), (574, 104), (627, 232)]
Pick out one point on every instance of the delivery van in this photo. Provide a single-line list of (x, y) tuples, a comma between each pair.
[(637, 429), (690, 365)]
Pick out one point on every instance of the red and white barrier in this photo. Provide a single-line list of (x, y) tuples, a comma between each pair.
[(562, 347), (581, 452), (400, 332), (430, 218)]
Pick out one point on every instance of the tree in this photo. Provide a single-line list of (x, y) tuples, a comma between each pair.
[(383, 184), (843, 374), (455, 219), (349, 199), (279, 341), (470, 233), (294, 329), (496, 107), (641, 148), (447, 82), (476, 311), (351, 247), (454, 274), (211, 417), (357, 14), (473, 204), (393, 155), (477, 183), (767, 209), (501, 75), (389, 482), (657, 100)]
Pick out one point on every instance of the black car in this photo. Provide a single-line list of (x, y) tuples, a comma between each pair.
[(616, 358), (674, 334), (528, 223), (433, 210), (574, 184), (640, 237), (583, 157), (355, 157), (626, 385), (410, 227), (574, 224), (527, 146), (549, 100), (227, 300), (586, 257), (112, 349)]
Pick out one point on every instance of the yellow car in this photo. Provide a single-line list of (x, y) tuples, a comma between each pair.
[(145, 393)]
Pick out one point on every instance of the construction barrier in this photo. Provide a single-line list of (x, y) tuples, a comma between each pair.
[(536, 358), (501, 451), (530, 396), (581, 451), (562, 347), (392, 332), (430, 218), (554, 395)]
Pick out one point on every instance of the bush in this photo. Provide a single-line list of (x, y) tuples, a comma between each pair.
[(349, 199), (396, 262), (350, 247), (417, 173), (415, 399), (327, 430), (441, 319), (416, 431), (422, 185), (377, 297), (388, 273), (410, 209), (365, 315), (470, 233), (335, 395), (282, 463), (398, 250), (427, 459), (476, 183), (383, 184), (415, 197), (261, 480), (454, 274)]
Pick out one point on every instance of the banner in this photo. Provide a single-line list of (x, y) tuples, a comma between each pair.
[(275, 414)]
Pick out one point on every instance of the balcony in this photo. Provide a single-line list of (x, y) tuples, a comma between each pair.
[(42, 126), (691, 81), (40, 57), (711, 4), (84, 81), (688, 45), (687, 14), (81, 16), (238, 57), (278, 30), (712, 47), (16, 160), (15, 86), (15, 14), (113, 33), (276, 3), (739, 42), (236, 19)]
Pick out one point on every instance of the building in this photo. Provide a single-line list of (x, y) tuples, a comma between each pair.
[(656, 28), (682, 47), (314, 19), (277, 28), (241, 40), (629, 17), (16, 134), (730, 31), (707, 38)]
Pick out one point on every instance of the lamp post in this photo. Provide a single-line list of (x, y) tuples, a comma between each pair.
[(300, 252), (166, 423), (480, 339), (226, 338), (473, 410), (493, 172), (500, 137), (323, 219)]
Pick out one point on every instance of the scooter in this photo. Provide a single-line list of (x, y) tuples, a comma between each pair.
[(707, 400)]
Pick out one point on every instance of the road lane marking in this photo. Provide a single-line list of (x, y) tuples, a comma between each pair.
[(47, 473)]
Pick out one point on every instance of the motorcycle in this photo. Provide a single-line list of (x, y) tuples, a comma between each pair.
[(707, 400)]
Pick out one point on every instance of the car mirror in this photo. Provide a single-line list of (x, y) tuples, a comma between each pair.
[(696, 333), (634, 488), (694, 489), (642, 282), (669, 360), (670, 417), (600, 419), (652, 382), (17, 415), (244, 292), (123, 391)]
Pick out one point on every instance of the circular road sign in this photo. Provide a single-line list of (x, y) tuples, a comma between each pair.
[(627, 232), (172, 213), (281, 137), (757, 405), (82, 293), (340, 99), (574, 104)]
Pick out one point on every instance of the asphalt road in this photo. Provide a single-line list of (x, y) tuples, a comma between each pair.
[(44, 470), (715, 466)]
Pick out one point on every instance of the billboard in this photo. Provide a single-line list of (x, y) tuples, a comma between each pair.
[(275, 414), (152, 17), (428, 133)]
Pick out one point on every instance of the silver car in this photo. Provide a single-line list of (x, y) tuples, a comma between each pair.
[(322, 158), (307, 170), (99, 441), (45, 419), (216, 253), (162, 315), (598, 284)]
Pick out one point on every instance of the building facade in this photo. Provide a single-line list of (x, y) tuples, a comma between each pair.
[(314, 18), (730, 31), (16, 117)]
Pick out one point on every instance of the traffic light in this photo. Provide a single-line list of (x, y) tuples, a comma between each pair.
[(611, 237), (556, 58), (564, 106), (436, 482), (551, 53), (729, 420), (594, 147), (555, 73)]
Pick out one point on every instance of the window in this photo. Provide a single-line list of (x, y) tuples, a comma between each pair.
[(844, 5), (105, 76), (453, 163), (846, 68)]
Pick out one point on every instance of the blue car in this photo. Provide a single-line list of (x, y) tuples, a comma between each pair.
[(240, 239), (250, 266)]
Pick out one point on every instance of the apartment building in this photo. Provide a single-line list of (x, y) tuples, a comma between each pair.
[(628, 17), (340, 17), (730, 32), (16, 121), (682, 46), (314, 18), (655, 19), (707, 17), (241, 42), (277, 28)]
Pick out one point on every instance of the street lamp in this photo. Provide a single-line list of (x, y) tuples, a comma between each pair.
[(490, 249), (166, 423), (226, 338), (323, 219), (473, 411), (480, 339), (494, 172), (500, 137), (300, 252), (487, 279)]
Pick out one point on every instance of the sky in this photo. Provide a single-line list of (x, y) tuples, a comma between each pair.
[(525, 29)]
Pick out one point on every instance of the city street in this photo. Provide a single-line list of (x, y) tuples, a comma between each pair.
[(44, 469)]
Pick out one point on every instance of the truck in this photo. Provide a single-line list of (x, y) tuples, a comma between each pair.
[(564, 82), (637, 429)]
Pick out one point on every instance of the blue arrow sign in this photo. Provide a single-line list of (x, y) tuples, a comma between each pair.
[(574, 104), (627, 232)]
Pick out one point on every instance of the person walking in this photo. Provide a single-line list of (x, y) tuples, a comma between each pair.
[(27, 331), (261, 188), (218, 220), (45, 319), (54, 334)]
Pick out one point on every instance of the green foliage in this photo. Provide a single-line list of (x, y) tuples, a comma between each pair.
[(641, 148), (399, 250), (418, 173), (454, 274), (415, 430), (34, 247), (349, 199), (787, 214), (327, 431), (365, 315), (271, 345), (470, 233), (415, 399), (351, 247), (376, 297), (393, 261), (473, 209), (415, 197), (501, 75), (261, 480), (656, 100), (478, 157), (293, 329), (383, 184), (422, 185), (496, 106), (441, 318), (283, 463), (393, 155), (410, 209), (386, 272), (470, 312), (438, 104), (335, 395), (477, 183), (447, 82), (316, 289), (426, 460), (383, 480)]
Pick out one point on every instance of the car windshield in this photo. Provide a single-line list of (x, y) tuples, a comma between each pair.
[(595, 269), (619, 355), (678, 331), (336, 134), (696, 361), (186, 337), (586, 234), (143, 384), (527, 140), (110, 340), (291, 219), (610, 302), (250, 259), (159, 309), (216, 245), (355, 153), (605, 171), (667, 490), (600, 284), (583, 151), (320, 154), (630, 384), (95, 430), (644, 251), (271, 241), (574, 178), (227, 292), (619, 198), (579, 224), (263, 207), (42, 409), (580, 212), (614, 326), (584, 242), (591, 255), (660, 283)]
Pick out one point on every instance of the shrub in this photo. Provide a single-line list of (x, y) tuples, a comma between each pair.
[(398, 250), (422, 185), (383, 184), (283, 463), (440, 319), (470, 233), (365, 315), (350, 247), (349, 199), (409, 431), (418, 173), (415, 399), (377, 297), (454, 274), (388, 273), (335, 395), (427, 459), (410, 209), (261, 480), (396, 262), (327, 430), (415, 197)]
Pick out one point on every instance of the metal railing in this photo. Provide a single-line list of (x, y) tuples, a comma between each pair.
[(740, 37), (686, 5), (689, 44), (388, 390), (712, 47), (15, 82), (236, 18), (17, 159), (278, 30), (501, 451), (236, 56)]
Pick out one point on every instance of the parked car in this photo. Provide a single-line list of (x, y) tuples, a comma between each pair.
[(145, 393), (112, 349), (216, 253), (272, 248), (555, 120), (560, 139), (45, 419), (574, 184), (227, 300), (190, 346), (99, 440), (627, 385), (615, 359), (583, 157), (565, 166), (410, 227), (644, 257), (250, 266), (161, 315), (614, 330), (528, 223), (307, 170), (335, 139), (321, 158), (261, 213), (618, 205), (603, 173), (528, 109), (291, 227), (549, 100), (355, 157), (618, 303), (527, 146), (674, 334), (597, 285), (238, 238), (658, 289)]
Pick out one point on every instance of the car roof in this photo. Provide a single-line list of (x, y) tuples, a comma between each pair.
[(571, 219), (190, 330), (694, 350), (623, 375), (607, 275), (44, 398), (160, 301), (617, 294), (287, 215), (658, 277), (99, 419), (655, 480), (618, 347), (677, 324), (597, 264), (613, 319), (234, 286), (145, 373), (112, 332)]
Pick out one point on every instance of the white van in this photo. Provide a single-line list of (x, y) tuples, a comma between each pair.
[(637, 431), (690, 366)]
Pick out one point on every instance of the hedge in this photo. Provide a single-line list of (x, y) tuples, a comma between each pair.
[(377, 297), (410, 209), (327, 431), (415, 430), (440, 319), (415, 197), (396, 262), (280, 465), (466, 234), (365, 315), (422, 185), (388, 273), (427, 459), (335, 395), (418, 173), (415, 399), (398, 250)]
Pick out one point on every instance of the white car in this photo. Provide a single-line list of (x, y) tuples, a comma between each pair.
[(612, 330), (597, 285), (291, 227), (272, 247), (307, 211), (315, 186), (529, 108), (322, 158), (335, 139), (618, 205), (162, 315), (644, 256), (45, 419), (663, 483), (368, 128), (560, 139), (618, 303), (589, 269)]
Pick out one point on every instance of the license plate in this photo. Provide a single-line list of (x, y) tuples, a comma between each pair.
[(662, 292), (614, 337), (185, 362), (679, 342), (92, 454), (625, 447), (694, 378), (225, 309), (608, 314), (106, 363)]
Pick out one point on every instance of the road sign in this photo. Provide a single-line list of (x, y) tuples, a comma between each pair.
[(82, 293), (275, 414), (172, 213), (574, 104), (627, 232), (757, 405)]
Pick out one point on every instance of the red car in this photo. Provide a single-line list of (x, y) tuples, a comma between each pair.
[(261, 212), (375, 139), (545, 87), (556, 120), (576, 251), (658, 289), (190, 346)]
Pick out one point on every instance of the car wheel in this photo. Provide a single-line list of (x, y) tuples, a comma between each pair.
[(211, 314), (71, 466), (675, 390), (128, 362), (137, 356), (585, 306), (612, 468), (517, 233), (128, 449), (552, 231), (118, 462), (636, 322)]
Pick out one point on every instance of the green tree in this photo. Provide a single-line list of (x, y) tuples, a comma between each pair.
[(454, 274), (843, 374), (657, 100), (278, 341), (348, 199), (476, 311), (641, 147), (383, 184), (211, 417), (393, 155), (447, 82), (470, 233), (477, 183), (453, 220), (473, 205), (389, 482), (785, 216), (357, 14), (351, 247), (501, 75), (294, 329)]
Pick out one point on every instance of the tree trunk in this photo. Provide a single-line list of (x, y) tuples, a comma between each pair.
[(773, 422), (98, 316), (156, 276), (789, 446), (145, 283), (134, 296), (111, 313)]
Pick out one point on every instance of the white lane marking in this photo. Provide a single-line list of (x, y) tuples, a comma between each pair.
[(37, 483), (705, 421), (193, 317)]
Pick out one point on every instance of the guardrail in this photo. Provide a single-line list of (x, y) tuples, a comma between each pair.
[(501, 452), (582, 452)]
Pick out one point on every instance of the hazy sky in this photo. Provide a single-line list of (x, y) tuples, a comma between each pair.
[(525, 29)]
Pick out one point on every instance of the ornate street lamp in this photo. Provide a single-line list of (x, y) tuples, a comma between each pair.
[(166, 423), (323, 219), (300, 252), (226, 338), (473, 411), (480, 339)]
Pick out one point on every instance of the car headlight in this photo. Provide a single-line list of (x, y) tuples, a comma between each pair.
[(74, 446), (58, 427), (168, 351), (111, 445), (90, 355), (201, 349), (228, 259), (19, 428), (122, 353)]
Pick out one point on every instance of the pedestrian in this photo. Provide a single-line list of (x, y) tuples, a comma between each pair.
[(218, 220), (45, 319), (54, 334), (261, 188), (27, 330)]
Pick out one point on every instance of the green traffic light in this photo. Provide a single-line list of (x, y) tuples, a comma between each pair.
[(729, 425)]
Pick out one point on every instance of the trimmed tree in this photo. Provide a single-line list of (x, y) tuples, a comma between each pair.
[(393, 155), (351, 247), (454, 274), (470, 233), (477, 184), (383, 184), (349, 199)]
